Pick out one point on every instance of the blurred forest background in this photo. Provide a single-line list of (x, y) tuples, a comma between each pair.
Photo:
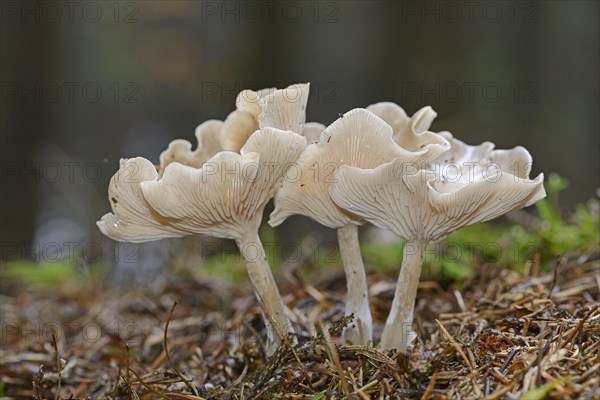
[(86, 83)]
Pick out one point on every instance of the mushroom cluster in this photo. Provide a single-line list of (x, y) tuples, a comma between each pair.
[(373, 164), (216, 192), (363, 140)]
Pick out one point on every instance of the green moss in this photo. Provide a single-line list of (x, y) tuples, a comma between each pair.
[(384, 258), (228, 266), (45, 274)]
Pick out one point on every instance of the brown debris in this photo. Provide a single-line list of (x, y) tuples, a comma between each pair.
[(503, 335)]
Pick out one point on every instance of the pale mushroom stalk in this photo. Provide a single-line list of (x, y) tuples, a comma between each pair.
[(356, 281), (397, 332), (265, 288)]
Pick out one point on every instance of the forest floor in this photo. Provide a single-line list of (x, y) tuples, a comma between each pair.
[(501, 334)]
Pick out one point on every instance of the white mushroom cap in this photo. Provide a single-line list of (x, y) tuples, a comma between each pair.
[(360, 139), (417, 205), (237, 128), (132, 219), (391, 113), (312, 131), (409, 132), (209, 143), (224, 198), (465, 163), (283, 109), (208, 200), (228, 191), (248, 100)]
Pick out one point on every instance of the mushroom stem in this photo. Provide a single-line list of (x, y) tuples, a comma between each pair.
[(398, 333), (357, 303), (265, 288)]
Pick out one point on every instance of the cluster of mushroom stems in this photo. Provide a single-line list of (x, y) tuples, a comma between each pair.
[(372, 165)]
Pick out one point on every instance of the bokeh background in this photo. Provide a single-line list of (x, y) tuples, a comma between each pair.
[(85, 83)]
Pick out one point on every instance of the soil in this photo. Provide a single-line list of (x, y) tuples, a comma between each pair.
[(502, 334)]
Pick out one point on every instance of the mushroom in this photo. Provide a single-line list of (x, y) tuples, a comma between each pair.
[(425, 205), (208, 135), (132, 219), (224, 198), (284, 109), (360, 139), (409, 132), (312, 131)]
